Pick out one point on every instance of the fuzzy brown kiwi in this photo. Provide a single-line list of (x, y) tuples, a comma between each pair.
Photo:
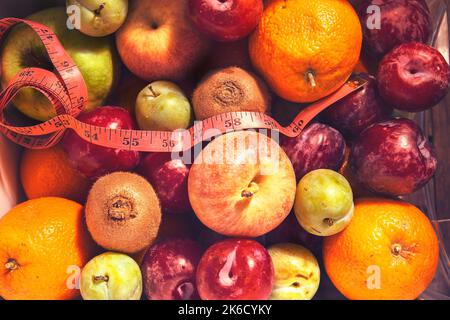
[(230, 89), (123, 212)]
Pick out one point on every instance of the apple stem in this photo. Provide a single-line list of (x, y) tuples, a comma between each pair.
[(250, 190), (328, 221), (100, 8), (11, 265), (311, 78)]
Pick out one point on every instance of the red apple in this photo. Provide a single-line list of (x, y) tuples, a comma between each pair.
[(226, 20), (92, 160), (242, 184), (401, 21), (169, 179), (354, 113), (169, 269), (413, 77), (235, 269), (317, 147), (393, 158), (158, 40)]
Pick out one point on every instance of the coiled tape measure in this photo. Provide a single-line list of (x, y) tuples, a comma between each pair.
[(67, 91)]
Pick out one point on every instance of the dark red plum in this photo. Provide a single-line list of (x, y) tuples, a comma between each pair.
[(413, 77), (357, 111), (235, 269), (226, 20), (393, 158), (401, 21), (319, 146), (169, 179), (169, 270), (92, 160)]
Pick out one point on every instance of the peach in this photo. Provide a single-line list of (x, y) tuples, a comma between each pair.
[(242, 184)]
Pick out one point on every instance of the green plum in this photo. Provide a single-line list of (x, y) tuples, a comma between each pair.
[(163, 106), (324, 202), (297, 272), (100, 18), (111, 276), (95, 57)]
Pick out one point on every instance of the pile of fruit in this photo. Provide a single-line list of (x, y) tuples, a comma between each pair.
[(251, 217)]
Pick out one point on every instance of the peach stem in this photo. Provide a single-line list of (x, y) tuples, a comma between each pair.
[(250, 190)]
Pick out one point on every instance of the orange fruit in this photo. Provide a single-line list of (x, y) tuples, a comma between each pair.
[(389, 251), (48, 173), (43, 242), (306, 49)]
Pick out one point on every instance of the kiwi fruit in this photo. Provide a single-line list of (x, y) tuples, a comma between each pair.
[(123, 212), (228, 90)]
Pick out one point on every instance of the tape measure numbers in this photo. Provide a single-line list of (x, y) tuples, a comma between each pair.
[(68, 93)]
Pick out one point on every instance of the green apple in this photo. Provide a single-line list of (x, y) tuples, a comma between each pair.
[(100, 18), (95, 57), (163, 106), (297, 272), (324, 202), (111, 276)]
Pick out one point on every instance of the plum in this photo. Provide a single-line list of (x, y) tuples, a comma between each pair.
[(111, 276), (393, 158), (359, 110), (235, 269), (297, 272), (413, 77), (169, 179), (169, 270), (318, 146), (324, 202), (92, 160), (401, 21)]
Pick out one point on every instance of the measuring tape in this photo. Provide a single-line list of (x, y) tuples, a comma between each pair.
[(68, 93)]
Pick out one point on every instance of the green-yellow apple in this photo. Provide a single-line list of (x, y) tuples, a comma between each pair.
[(242, 184), (163, 106), (100, 18), (158, 40), (324, 202), (297, 272), (95, 57), (111, 276)]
